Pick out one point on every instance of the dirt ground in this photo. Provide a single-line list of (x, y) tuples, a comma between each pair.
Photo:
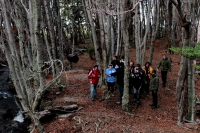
[(107, 116)]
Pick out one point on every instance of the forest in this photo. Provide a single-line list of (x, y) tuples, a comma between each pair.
[(49, 46)]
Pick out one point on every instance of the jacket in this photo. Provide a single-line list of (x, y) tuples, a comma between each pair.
[(131, 75), (137, 82), (109, 74), (94, 76), (147, 71), (154, 84), (165, 65), (115, 64), (120, 76)]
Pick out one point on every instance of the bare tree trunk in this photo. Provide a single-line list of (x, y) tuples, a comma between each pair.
[(198, 35), (155, 26), (181, 89), (97, 55), (102, 40), (191, 93), (169, 24), (118, 29), (124, 25), (52, 55), (184, 12)]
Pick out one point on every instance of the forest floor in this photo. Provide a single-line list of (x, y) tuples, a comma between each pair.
[(107, 116)]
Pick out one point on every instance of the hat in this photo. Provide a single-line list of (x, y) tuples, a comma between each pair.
[(110, 65)]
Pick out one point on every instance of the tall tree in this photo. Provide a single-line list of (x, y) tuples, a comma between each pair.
[(185, 82), (26, 53)]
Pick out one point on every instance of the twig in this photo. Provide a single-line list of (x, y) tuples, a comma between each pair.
[(58, 125), (78, 122), (112, 12)]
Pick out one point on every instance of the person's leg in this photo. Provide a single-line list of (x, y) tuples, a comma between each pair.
[(163, 78), (147, 86), (92, 91), (112, 87), (152, 104), (139, 91), (130, 88), (95, 91), (108, 84), (155, 99), (120, 88), (135, 93)]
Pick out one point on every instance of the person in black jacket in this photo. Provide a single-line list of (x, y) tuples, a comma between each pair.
[(131, 76), (137, 85), (120, 81), (142, 75), (115, 62)]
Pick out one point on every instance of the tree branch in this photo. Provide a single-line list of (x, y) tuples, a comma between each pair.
[(112, 12), (26, 9), (174, 2)]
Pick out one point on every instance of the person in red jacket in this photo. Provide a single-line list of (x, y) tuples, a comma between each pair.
[(94, 76)]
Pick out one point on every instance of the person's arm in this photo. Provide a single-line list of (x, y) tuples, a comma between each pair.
[(107, 72), (90, 75), (159, 65), (156, 83), (169, 64)]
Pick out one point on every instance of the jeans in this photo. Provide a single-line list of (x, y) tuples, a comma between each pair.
[(164, 77), (93, 90), (137, 94), (120, 88)]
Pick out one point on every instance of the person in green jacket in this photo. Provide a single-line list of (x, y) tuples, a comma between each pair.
[(165, 65), (153, 87)]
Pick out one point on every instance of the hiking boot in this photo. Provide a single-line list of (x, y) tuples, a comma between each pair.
[(154, 107), (138, 102), (92, 99), (101, 100), (151, 104), (163, 85)]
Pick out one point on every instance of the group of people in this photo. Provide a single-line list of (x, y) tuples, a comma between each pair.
[(142, 80)]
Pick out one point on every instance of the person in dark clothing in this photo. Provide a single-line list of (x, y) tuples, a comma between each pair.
[(120, 81), (142, 75), (154, 84), (131, 76), (148, 72), (122, 59), (165, 66), (137, 85), (115, 62)]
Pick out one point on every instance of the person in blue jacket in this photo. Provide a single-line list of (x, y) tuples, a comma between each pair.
[(110, 73)]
